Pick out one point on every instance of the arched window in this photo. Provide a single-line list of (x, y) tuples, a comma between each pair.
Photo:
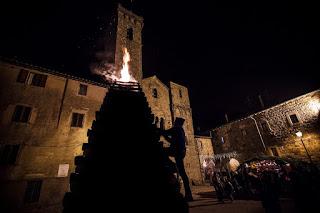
[(180, 93), (161, 123), (130, 34), (154, 93), (156, 121)]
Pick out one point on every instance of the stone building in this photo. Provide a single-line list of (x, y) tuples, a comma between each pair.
[(205, 147), (273, 131), (45, 116), (167, 103), (206, 152), (44, 121)]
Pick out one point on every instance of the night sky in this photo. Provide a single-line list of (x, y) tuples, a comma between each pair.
[(225, 52)]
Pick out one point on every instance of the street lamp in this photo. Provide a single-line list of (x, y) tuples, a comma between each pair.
[(299, 134)]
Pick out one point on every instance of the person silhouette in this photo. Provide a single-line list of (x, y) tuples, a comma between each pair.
[(177, 139)]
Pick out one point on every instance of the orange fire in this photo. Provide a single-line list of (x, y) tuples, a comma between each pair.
[(110, 73), (124, 73)]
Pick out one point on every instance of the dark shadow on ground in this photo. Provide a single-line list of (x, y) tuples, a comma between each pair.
[(211, 203), (287, 204), (211, 194)]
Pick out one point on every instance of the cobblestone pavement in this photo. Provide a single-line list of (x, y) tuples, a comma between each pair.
[(206, 202)]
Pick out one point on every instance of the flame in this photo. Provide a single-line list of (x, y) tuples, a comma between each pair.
[(124, 73), (109, 72)]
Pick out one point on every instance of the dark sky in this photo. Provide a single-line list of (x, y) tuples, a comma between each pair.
[(226, 52)]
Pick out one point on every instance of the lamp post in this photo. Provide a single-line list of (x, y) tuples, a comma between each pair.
[(299, 134)]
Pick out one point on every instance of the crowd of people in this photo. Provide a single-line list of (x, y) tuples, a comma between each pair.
[(220, 179), (268, 181)]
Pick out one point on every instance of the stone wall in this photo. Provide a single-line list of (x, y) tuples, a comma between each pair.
[(204, 144), (272, 131), (47, 140), (159, 102), (205, 149), (180, 106)]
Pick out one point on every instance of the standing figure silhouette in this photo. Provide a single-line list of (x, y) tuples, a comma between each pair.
[(177, 139)]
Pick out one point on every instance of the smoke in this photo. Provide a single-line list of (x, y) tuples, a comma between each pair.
[(105, 69), (104, 66)]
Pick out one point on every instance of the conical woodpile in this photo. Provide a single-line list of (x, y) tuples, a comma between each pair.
[(123, 165)]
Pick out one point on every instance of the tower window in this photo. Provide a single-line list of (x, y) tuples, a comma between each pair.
[(83, 89), (77, 120), (180, 93), (8, 154), (33, 191), (156, 120), (21, 114), (162, 123), (201, 146), (155, 93), (130, 34)]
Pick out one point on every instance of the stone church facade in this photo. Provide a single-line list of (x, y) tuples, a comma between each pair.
[(45, 116), (273, 131)]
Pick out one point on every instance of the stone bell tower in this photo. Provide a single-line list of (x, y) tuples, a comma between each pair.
[(128, 34)]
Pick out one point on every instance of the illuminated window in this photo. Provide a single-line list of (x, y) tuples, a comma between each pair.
[(155, 93), (130, 34), (8, 154), (294, 119), (83, 89), (33, 191), (21, 114), (77, 120), (222, 140), (31, 78)]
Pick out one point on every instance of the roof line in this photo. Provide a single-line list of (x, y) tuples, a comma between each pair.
[(177, 84), (262, 111), (50, 71), (128, 12), (156, 78)]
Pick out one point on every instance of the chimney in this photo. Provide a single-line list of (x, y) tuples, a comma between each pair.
[(226, 117)]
